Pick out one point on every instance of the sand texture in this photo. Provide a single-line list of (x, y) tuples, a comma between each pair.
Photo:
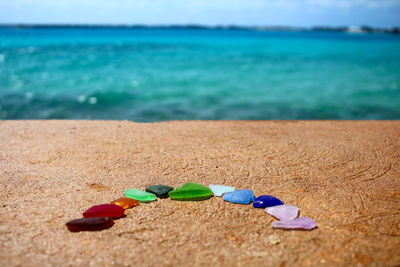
[(345, 175)]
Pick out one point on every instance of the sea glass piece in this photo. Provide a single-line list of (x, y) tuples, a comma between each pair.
[(90, 224), (140, 195), (241, 196), (298, 223), (219, 190), (283, 212), (105, 210), (266, 201), (126, 202), (160, 191), (191, 191)]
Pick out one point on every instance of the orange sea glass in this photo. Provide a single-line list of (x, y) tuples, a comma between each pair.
[(126, 202)]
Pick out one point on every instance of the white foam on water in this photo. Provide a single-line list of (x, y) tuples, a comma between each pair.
[(92, 100)]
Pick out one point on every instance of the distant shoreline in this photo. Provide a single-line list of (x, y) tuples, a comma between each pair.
[(346, 29)]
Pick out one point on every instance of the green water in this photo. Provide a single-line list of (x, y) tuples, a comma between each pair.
[(166, 74)]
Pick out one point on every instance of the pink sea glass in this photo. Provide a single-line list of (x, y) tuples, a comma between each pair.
[(298, 223), (283, 212)]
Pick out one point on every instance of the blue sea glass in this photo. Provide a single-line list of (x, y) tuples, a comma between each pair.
[(266, 201), (242, 196)]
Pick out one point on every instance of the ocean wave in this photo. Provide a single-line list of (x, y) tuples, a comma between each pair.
[(126, 106)]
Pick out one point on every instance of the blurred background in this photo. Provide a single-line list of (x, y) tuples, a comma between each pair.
[(200, 60)]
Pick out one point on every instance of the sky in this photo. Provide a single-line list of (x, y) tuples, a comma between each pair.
[(302, 13)]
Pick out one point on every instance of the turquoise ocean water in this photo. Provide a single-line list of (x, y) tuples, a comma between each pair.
[(185, 74)]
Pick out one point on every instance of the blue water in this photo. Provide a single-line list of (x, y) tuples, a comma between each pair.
[(176, 74)]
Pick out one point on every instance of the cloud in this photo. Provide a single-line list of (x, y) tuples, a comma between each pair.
[(248, 12), (370, 4), (204, 3)]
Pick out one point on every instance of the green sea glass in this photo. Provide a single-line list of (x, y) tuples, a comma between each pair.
[(159, 190), (139, 195), (191, 191)]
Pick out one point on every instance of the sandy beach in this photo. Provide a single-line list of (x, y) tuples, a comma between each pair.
[(344, 174)]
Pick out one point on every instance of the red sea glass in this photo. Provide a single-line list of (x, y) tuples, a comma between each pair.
[(90, 224), (105, 210)]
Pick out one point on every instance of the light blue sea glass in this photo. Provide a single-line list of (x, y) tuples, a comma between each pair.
[(219, 190)]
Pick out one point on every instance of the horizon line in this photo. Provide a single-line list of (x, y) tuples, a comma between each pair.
[(191, 25)]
